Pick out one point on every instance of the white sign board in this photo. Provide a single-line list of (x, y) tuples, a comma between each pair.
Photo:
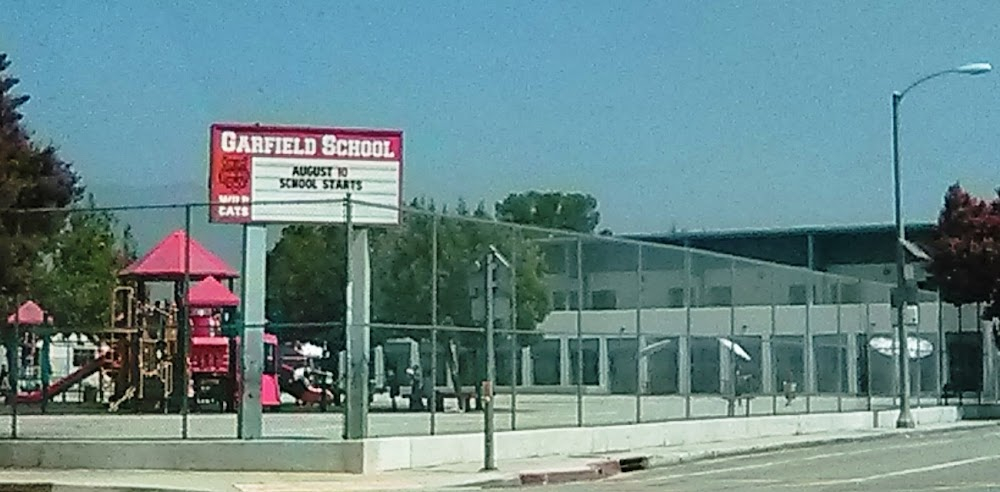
[(304, 175), (373, 186)]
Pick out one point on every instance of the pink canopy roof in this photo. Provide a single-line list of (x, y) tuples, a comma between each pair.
[(28, 314), (166, 261), (211, 293)]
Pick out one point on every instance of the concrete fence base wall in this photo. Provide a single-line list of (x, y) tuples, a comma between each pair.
[(397, 453)]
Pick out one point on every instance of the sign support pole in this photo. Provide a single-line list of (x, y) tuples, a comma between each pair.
[(357, 319), (254, 292)]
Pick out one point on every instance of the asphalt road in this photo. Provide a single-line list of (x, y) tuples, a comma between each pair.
[(960, 460)]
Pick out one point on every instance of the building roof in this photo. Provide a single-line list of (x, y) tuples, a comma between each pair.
[(779, 232), (211, 293), (166, 261)]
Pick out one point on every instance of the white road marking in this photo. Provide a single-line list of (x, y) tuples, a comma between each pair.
[(909, 471), (793, 460)]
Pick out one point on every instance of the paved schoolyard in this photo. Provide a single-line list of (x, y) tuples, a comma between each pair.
[(533, 412)]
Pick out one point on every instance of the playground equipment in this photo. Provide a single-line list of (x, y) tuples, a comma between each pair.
[(141, 351), (215, 375), (299, 377)]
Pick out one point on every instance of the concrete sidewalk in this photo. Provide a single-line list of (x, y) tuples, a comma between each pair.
[(510, 473)]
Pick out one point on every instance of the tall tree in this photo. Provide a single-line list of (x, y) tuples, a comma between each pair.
[(965, 251), (306, 274), (79, 268), (403, 259), (32, 176), (553, 210), (305, 280)]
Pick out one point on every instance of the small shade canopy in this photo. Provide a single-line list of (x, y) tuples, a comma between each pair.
[(211, 293), (28, 314), (166, 261)]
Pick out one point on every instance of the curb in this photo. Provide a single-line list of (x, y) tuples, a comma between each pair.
[(70, 487), (595, 470)]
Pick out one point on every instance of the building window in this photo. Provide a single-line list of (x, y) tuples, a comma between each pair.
[(573, 300), (675, 297), (850, 293), (558, 300), (603, 299), (797, 294), (555, 259), (720, 296), (563, 300)]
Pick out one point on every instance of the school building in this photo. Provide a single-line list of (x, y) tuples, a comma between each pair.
[(809, 305)]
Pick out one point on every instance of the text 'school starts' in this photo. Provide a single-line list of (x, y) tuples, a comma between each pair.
[(304, 178)]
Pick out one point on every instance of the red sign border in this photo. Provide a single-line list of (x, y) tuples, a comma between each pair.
[(275, 128)]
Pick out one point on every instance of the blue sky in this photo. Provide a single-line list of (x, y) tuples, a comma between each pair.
[(700, 114)]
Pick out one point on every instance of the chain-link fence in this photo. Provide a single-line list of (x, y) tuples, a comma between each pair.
[(589, 330)]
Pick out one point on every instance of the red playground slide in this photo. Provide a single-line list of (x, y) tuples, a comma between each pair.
[(63, 384)]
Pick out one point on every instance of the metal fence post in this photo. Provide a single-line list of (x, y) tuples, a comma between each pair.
[(514, 359), (434, 321), (775, 381), (733, 373), (579, 332), (184, 330), (918, 361), (638, 336), (15, 367), (939, 353), (808, 347), (686, 364), (868, 353), (840, 353), (488, 455)]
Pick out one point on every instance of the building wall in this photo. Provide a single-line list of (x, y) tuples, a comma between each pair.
[(746, 285), (742, 320)]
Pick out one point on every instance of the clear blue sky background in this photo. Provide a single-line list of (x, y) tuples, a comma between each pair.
[(704, 114)]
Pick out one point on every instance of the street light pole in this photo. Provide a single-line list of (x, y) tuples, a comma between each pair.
[(904, 292), (905, 419)]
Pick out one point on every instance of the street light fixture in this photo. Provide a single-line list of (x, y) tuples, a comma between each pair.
[(905, 291)]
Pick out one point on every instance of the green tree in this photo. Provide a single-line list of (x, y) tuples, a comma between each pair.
[(31, 176), (306, 274), (402, 267), (403, 281), (965, 252), (79, 268), (305, 283), (575, 212)]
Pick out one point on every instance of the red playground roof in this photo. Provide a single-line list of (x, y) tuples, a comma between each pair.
[(28, 314), (166, 261), (211, 293)]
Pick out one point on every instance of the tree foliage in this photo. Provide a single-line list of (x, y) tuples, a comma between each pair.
[(306, 280), (306, 272), (403, 268), (79, 268), (32, 176), (575, 212), (966, 250)]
